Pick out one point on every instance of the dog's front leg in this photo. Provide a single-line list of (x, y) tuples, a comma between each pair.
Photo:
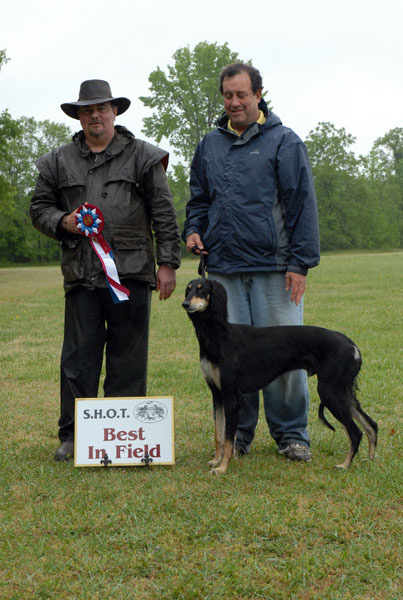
[(219, 423), (227, 455), (231, 408)]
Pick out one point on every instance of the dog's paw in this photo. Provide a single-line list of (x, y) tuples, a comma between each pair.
[(215, 462), (219, 470), (342, 467)]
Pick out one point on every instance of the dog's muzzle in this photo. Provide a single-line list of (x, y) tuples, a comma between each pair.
[(194, 305), (186, 304)]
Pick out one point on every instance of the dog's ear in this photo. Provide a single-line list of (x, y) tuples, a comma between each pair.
[(218, 300)]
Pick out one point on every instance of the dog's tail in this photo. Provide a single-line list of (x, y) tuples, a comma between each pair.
[(323, 418)]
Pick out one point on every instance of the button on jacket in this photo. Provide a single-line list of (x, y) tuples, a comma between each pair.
[(127, 183)]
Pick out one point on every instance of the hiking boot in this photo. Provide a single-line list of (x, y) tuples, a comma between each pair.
[(65, 451), (296, 452)]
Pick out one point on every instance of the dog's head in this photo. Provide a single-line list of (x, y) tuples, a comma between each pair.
[(197, 296), (206, 296)]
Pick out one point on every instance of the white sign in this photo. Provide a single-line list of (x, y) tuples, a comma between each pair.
[(117, 432)]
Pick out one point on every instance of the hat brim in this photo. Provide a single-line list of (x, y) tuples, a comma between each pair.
[(71, 108)]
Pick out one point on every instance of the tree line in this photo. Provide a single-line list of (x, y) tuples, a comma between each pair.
[(360, 199)]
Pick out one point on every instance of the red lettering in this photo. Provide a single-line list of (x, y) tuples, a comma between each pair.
[(155, 452), (109, 434), (96, 453), (122, 436), (119, 450)]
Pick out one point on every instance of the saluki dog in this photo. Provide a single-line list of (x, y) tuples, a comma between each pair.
[(237, 359)]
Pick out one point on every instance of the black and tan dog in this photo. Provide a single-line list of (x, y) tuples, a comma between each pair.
[(237, 359)]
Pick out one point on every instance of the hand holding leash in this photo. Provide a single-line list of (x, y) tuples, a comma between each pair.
[(202, 266), (193, 240)]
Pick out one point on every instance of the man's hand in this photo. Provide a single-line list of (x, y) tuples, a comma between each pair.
[(68, 222), (296, 282), (166, 281), (194, 240)]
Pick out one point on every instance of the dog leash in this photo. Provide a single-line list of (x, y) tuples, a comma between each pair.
[(202, 265)]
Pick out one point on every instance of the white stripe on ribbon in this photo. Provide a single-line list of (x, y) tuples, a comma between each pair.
[(119, 292)]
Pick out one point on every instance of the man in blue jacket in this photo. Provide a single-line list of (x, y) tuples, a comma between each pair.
[(253, 213)]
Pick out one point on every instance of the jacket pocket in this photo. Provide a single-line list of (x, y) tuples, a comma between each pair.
[(133, 255), (253, 230)]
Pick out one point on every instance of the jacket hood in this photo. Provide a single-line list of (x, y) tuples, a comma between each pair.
[(272, 119)]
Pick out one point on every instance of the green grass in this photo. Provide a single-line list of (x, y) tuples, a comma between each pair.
[(269, 529)]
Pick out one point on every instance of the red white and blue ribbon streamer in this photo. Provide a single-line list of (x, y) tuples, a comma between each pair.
[(90, 221)]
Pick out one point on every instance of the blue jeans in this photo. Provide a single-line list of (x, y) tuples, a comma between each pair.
[(260, 299)]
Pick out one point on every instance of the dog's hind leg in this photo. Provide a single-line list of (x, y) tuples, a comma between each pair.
[(354, 436), (369, 426), (341, 407)]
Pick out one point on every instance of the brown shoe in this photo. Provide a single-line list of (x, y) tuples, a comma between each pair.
[(65, 451)]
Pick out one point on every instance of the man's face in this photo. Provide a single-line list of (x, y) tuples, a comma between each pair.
[(97, 120), (240, 103)]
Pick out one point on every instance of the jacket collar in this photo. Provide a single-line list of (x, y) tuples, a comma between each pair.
[(120, 140), (271, 120), (223, 120)]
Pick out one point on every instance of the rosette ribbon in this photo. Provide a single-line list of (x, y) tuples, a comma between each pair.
[(90, 221)]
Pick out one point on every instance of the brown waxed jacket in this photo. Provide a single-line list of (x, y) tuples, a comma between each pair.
[(127, 183)]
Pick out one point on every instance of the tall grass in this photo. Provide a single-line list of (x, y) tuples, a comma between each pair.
[(269, 529)]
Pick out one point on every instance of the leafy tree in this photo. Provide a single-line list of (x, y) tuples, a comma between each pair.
[(329, 147), (7, 130), (341, 192), (391, 147), (384, 169), (392, 142), (187, 99), (3, 58), (21, 142), (34, 139), (350, 215), (179, 184)]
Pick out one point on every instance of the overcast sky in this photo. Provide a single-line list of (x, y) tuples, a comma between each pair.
[(320, 60)]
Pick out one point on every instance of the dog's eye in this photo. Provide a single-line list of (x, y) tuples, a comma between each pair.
[(199, 286), (189, 286)]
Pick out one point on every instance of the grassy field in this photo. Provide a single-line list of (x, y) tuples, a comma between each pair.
[(269, 529)]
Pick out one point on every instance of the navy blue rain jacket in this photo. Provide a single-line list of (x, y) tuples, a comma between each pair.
[(252, 199)]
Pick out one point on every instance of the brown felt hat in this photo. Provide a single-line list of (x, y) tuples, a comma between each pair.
[(94, 91)]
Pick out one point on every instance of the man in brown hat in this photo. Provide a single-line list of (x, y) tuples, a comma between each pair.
[(106, 167)]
